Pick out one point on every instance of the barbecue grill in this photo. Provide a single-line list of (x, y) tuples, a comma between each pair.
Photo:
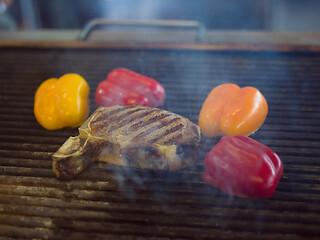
[(112, 202)]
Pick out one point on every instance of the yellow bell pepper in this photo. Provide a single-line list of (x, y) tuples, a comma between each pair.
[(62, 102)]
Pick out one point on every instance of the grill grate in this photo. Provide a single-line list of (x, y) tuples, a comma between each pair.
[(148, 204)]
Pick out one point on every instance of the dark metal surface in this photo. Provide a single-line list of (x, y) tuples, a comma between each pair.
[(109, 202)]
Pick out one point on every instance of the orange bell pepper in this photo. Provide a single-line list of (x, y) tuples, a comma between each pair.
[(230, 110), (62, 102)]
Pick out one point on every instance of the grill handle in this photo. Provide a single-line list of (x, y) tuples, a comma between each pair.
[(201, 29)]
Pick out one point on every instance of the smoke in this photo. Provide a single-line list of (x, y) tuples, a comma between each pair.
[(167, 189), (129, 182)]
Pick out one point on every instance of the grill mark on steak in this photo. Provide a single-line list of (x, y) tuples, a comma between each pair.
[(176, 128), (173, 139), (146, 132), (127, 118), (147, 122), (167, 123), (157, 126), (102, 115), (167, 132), (142, 115), (118, 116), (110, 123), (132, 118)]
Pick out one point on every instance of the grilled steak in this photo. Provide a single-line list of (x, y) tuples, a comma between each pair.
[(130, 136)]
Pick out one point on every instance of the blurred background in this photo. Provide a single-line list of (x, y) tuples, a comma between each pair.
[(272, 15)]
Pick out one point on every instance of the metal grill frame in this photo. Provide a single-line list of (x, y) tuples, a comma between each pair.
[(146, 204)]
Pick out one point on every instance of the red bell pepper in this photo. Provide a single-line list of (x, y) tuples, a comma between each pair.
[(243, 167), (125, 87)]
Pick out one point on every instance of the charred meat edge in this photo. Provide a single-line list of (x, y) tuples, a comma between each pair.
[(78, 153)]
